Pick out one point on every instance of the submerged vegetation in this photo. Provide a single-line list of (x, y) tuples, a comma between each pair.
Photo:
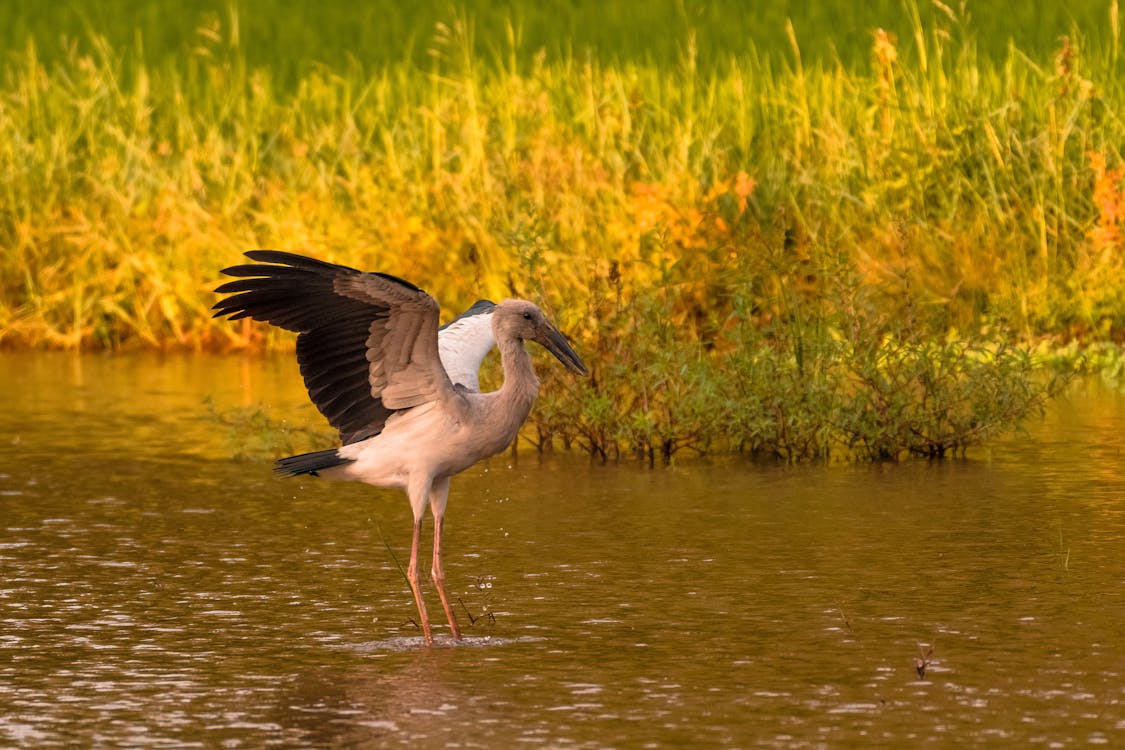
[(797, 256)]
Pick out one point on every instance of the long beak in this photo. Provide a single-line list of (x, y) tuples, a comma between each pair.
[(554, 342)]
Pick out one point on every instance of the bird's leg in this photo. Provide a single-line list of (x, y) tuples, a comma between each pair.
[(438, 574), (439, 493), (415, 582)]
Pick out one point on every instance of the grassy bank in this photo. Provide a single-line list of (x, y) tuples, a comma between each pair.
[(712, 231)]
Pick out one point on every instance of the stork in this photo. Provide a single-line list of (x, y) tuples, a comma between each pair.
[(405, 400)]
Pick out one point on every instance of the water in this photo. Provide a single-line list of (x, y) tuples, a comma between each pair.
[(156, 593)]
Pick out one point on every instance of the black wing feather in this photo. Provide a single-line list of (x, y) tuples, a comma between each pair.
[(299, 294)]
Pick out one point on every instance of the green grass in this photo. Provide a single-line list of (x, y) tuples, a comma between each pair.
[(292, 38), (691, 191)]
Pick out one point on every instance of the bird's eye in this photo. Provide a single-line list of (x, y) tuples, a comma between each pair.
[(527, 316)]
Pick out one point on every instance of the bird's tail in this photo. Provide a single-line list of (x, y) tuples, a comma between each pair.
[(310, 463)]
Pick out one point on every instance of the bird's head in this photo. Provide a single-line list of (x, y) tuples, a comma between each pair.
[(520, 319)]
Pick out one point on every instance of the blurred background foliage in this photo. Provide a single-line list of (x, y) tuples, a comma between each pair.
[(292, 39)]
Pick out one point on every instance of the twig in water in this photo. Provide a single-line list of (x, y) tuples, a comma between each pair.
[(472, 620), (484, 585), (391, 552), (923, 660), (1064, 553)]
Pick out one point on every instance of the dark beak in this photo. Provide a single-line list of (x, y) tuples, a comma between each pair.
[(553, 340)]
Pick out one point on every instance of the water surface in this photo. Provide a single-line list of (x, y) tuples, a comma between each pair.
[(154, 592)]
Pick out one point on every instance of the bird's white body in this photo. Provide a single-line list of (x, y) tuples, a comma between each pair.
[(389, 458), (439, 439)]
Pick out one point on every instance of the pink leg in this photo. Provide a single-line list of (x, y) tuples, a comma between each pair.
[(416, 583), (438, 574)]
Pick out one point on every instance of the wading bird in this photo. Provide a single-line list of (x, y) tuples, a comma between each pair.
[(409, 410)]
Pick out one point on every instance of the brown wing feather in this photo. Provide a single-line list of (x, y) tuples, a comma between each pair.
[(401, 347), (367, 343)]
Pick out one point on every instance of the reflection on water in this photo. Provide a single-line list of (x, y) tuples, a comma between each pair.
[(157, 593)]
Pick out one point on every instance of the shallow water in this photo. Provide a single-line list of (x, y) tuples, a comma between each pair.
[(155, 592)]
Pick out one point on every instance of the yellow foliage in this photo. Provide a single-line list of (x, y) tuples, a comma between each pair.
[(1109, 198), (564, 182)]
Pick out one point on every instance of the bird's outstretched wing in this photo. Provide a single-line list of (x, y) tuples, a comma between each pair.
[(367, 343)]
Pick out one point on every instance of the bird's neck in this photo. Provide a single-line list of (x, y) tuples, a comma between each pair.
[(505, 410), (521, 386)]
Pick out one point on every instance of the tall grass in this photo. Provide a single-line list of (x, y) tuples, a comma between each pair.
[(292, 37), (706, 210)]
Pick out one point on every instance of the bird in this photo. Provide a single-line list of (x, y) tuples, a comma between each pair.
[(404, 396)]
